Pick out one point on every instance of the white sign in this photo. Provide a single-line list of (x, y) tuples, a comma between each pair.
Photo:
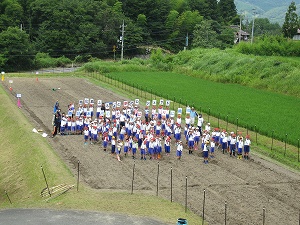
[(179, 111), (88, 114), (107, 105), (137, 101), (148, 103), (99, 102), (125, 103), (10, 81), (188, 109), (19, 95), (168, 102), (86, 101), (118, 104), (154, 102), (161, 102), (80, 102), (114, 105), (92, 101), (107, 114), (172, 113)]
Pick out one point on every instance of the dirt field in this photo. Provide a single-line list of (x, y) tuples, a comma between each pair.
[(246, 186)]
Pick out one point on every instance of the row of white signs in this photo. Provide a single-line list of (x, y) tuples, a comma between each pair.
[(118, 104)]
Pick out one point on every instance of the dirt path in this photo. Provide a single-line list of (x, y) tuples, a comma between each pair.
[(246, 186)]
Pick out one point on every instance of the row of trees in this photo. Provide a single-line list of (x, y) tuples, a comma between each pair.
[(80, 29)]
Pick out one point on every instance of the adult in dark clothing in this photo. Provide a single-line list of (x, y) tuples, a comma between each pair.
[(56, 124)]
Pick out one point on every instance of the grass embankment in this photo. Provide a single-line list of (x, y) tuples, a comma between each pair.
[(272, 73), (24, 152)]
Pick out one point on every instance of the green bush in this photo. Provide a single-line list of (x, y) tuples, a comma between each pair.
[(44, 60)]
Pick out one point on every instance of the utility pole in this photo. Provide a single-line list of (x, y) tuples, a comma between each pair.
[(122, 40), (252, 32), (186, 41), (240, 32)]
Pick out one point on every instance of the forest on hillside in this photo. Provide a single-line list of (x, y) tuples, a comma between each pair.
[(82, 29)]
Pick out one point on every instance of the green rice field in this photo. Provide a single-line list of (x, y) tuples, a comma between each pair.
[(269, 113)]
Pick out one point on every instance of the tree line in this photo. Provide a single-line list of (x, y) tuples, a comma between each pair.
[(33, 30)]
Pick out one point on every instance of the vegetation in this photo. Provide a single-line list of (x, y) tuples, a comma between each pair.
[(291, 23), (84, 29), (270, 46), (269, 147), (271, 73), (275, 74), (227, 101)]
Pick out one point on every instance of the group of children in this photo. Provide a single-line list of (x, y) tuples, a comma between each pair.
[(148, 135)]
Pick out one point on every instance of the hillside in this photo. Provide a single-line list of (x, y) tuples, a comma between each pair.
[(273, 10)]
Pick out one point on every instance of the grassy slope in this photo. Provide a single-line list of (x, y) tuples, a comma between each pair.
[(22, 154), (276, 74)]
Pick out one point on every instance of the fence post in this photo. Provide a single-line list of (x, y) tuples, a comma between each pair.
[(255, 134), (46, 181), (285, 144), (272, 139), (298, 158), (237, 124), (227, 122), (225, 219), (78, 175), (174, 103), (186, 184), (208, 114), (133, 88), (132, 177), (8, 197), (203, 210), (264, 215), (157, 178), (171, 184)]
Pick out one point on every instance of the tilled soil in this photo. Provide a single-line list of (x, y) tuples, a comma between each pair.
[(247, 187)]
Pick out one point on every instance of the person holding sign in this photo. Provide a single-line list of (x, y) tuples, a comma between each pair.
[(191, 141), (179, 150), (118, 150), (146, 114), (205, 152)]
